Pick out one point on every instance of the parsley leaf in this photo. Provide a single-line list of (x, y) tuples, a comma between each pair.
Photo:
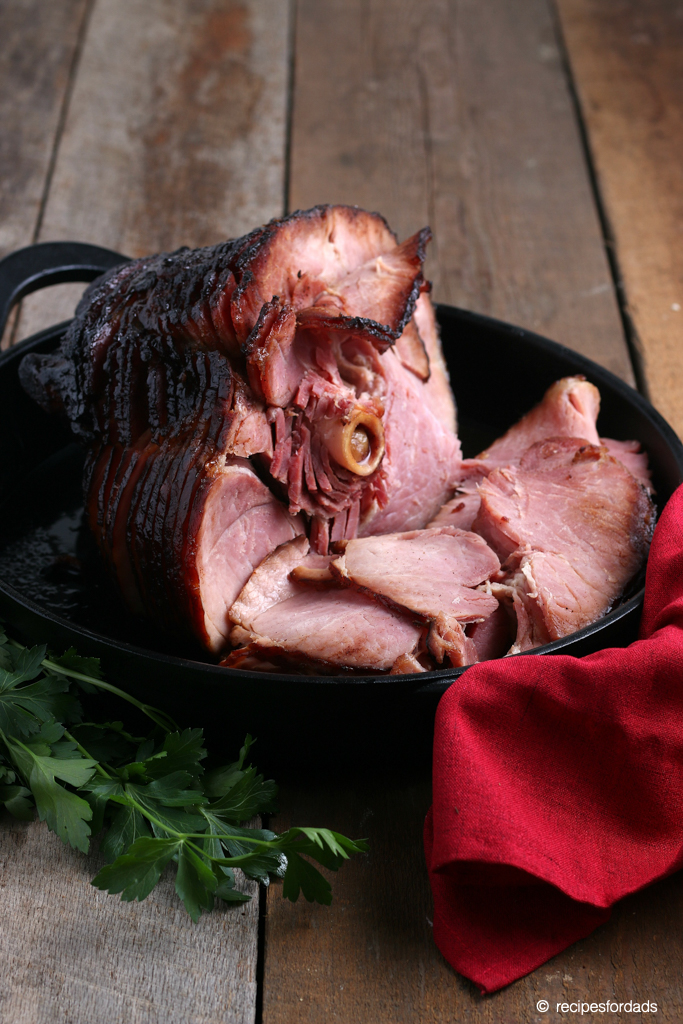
[(136, 873), (66, 813)]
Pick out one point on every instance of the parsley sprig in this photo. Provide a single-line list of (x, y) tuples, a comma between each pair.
[(150, 796)]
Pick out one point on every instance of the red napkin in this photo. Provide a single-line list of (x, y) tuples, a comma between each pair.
[(558, 787)]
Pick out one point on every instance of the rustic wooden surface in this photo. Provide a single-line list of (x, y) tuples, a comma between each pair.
[(146, 124), (370, 956), (175, 133), (73, 954), (457, 114), (35, 84), (627, 58)]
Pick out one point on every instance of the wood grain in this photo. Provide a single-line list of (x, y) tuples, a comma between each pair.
[(37, 47), (175, 133), (75, 955), (626, 58), (370, 958), (38, 50), (457, 114)]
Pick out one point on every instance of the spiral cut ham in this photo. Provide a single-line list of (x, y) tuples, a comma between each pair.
[(285, 384), (273, 465)]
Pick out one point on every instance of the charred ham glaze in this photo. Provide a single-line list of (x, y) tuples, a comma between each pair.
[(273, 465)]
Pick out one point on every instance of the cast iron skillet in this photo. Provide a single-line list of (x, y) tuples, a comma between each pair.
[(53, 589)]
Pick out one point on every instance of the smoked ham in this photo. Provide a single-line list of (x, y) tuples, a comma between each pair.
[(234, 397), (273, 466)]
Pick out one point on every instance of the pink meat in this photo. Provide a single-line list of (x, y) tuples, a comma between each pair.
[(422, 460), (572, 526), (630, 455), (492, 637), (447, 640), (241, 524), (569, 408), (429, 572), (339, 627)]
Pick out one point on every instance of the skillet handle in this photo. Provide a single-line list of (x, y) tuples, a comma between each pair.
[(46, 263)]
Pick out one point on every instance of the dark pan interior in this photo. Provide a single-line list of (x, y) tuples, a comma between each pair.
[(53, 588)]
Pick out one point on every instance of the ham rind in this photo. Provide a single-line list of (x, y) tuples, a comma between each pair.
[(429, 572), (338, 627), (572, 526)]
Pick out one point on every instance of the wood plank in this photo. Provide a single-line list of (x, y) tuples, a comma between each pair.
[(175, 134), (458, 114), (626, 57), (38, 48), (369, 957), (75, 954)]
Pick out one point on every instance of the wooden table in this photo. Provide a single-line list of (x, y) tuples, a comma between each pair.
[(544, 144)]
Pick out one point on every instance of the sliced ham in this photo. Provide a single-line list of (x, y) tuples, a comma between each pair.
[(569, 408), (493, 637), (630, 455), (339, 627), (241, 523), (428, 572), (447, 640), (572, 526), (243, 401), (422, 461)]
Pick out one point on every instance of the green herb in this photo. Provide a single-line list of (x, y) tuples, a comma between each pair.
[(149, 794)]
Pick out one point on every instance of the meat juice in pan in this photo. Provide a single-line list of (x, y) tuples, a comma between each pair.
[(273, 463)]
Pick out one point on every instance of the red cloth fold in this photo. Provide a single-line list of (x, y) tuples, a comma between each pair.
[(558, 787)]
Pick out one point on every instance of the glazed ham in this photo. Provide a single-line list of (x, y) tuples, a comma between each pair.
[(572, 526), (272, 459), (232, 398)]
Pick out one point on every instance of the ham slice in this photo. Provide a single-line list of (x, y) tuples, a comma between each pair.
[(338, 627), (572, 526), (428, 572), (569, 408)]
